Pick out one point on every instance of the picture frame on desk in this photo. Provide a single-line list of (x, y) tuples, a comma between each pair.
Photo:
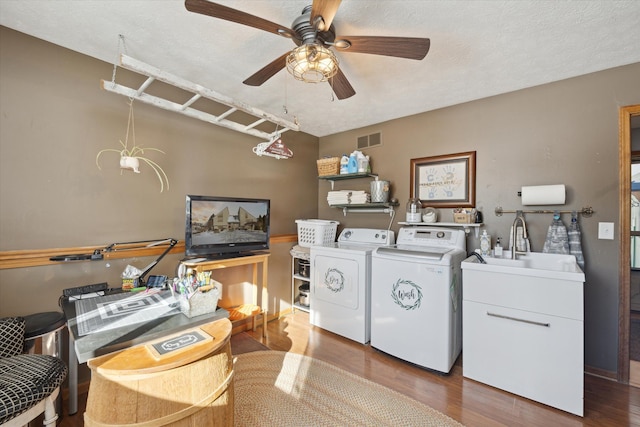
[(444, 181)]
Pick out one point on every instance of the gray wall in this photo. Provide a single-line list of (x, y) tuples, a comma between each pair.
[(55, 118), (564, 132)]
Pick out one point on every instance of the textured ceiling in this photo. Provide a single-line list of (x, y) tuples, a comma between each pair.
[(478, 49)]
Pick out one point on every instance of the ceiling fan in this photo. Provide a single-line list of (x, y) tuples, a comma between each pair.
[(314, 34)]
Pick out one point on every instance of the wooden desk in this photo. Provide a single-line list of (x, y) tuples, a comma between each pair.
[(254, 260)]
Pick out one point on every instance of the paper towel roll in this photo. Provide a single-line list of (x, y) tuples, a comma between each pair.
[(543, 195)]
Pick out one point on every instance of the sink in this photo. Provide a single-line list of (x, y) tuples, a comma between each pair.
[(523, 327), (537, 264)]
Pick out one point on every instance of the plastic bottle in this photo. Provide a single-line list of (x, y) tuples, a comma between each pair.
[(497, 251), (344, 165), (414, 210), (363, 163), (352, 166), (485, 243)]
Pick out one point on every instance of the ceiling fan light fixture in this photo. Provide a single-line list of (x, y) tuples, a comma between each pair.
[(312, 63)]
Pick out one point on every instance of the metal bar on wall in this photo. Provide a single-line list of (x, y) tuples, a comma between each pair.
[(586, 212)]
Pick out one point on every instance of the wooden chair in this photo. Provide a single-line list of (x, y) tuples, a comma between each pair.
[(29, 383)]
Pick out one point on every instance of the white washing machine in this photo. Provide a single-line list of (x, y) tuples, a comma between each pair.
[(416, 294), (341, 282)]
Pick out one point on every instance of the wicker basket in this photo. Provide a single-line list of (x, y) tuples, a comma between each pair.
[(464, 218), (329, 166)]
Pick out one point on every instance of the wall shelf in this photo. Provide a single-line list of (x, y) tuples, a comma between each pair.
[(367, 208), (386, 207), (333, 178)]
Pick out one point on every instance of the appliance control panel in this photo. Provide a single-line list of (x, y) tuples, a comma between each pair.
[(367, 236), (435, 236)]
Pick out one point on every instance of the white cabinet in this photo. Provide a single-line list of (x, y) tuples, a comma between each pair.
[(300, 276), (525, 336)]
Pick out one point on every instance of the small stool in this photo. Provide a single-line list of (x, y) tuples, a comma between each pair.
[(249, 310), (48, 327)]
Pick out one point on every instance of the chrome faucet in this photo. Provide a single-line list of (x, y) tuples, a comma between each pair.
[(514, 234)]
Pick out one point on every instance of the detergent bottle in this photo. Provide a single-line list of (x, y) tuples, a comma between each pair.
[(352, 166), (344, 165)]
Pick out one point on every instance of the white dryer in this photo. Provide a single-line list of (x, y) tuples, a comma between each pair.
[(341, 282), (416, 294)]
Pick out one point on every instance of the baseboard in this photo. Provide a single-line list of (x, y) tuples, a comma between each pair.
[(598, 372), (634, 373)]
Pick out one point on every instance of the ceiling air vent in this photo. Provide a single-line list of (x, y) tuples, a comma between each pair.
[(369, 141)]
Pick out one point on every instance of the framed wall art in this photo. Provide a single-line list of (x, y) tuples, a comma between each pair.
[(447, 181)]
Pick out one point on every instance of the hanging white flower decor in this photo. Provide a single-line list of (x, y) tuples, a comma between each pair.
[(130, 157)]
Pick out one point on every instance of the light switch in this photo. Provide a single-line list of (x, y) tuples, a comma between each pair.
[(605, 230)]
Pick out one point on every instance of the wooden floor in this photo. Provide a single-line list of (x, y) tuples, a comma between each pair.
[(607, 403)]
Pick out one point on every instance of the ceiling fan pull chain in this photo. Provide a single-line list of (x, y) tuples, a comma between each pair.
[(286, 97)]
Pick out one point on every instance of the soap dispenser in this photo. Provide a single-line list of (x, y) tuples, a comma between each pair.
[(485, 244)]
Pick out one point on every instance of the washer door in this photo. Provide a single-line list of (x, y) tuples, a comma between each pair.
[(335, 281), (413, 316)]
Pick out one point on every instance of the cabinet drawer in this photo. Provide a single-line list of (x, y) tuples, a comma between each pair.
[(533, 355), (541, 295)]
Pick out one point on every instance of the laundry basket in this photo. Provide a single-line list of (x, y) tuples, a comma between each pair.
[(316, 232)]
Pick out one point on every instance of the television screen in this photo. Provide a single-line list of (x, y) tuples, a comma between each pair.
[(225, 225)]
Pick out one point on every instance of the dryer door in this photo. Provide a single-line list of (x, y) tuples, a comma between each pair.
[(335, 281)]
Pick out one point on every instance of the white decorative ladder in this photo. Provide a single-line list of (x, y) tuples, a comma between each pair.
[(198, 91)]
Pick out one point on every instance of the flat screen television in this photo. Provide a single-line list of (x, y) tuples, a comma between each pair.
[(223, 226)]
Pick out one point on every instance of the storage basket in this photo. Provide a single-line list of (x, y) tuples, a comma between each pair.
[(201, 302), (329, 166), (316, 232), (464, 218)]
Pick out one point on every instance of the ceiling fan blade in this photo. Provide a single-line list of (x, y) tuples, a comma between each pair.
[(228, 14), (267, 71), (323, 12), (401, 47), (341, 86)]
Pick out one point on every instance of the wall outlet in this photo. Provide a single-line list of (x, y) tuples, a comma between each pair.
[(605, 230)]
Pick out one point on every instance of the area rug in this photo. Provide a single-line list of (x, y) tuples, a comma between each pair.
[(274, 388), (245, 343)]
